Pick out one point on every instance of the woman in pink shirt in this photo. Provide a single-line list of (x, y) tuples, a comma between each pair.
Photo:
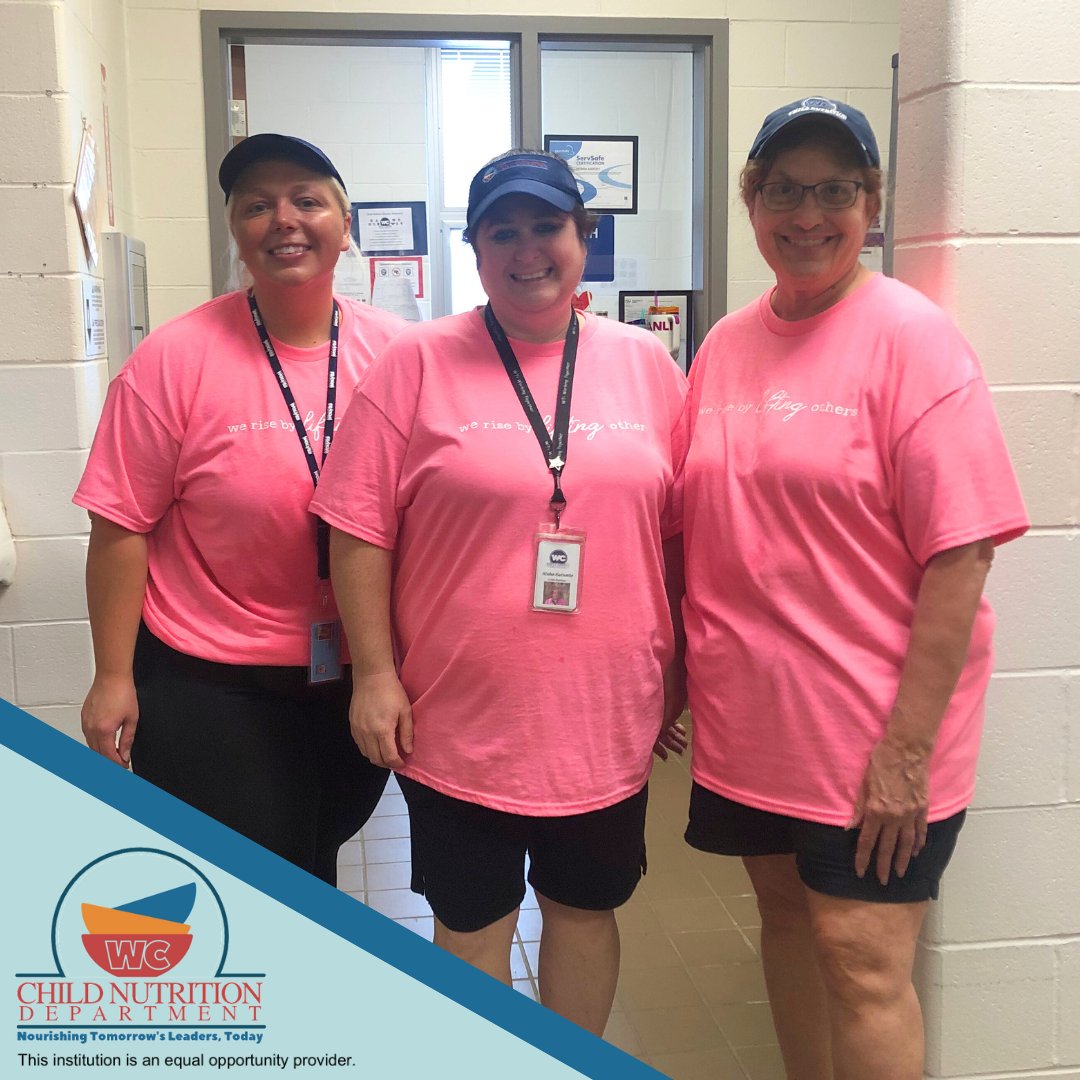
[(215, 637), (845, 487), (503, 501)]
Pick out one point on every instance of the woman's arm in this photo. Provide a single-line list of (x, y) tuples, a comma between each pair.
[(115, 588), (672, 733), (380, 714), (894, 798)]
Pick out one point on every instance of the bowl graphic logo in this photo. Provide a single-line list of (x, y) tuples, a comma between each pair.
[(142, 939)]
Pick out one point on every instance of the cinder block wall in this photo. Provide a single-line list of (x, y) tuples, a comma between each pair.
[(988, 223), (51, 79)]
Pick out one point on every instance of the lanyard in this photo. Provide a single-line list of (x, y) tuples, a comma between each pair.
[(553, 445), (322, 536)]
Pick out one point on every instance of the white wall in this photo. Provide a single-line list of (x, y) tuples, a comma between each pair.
[(651, 96), (50, 78), (365, 106), (988, 223)]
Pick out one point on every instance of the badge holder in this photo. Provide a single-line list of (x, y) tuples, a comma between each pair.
[(324, 649), (325, 653), (560, 554)]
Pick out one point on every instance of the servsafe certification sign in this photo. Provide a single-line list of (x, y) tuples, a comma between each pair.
[(142, 939)]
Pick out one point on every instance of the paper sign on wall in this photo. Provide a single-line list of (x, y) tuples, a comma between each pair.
[(93, 309)]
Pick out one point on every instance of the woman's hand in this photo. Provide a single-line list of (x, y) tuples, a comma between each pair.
[(672, 735), (111, 709), (381, 719), (891, 809), (894, 796)]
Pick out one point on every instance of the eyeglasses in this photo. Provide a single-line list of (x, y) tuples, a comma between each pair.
[(829, 194)]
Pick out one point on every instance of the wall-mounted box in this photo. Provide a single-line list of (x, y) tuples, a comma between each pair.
[(127, 301)]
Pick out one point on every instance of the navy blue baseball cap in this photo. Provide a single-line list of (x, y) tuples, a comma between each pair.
[(271, 147), (524, 172), (845, 116)]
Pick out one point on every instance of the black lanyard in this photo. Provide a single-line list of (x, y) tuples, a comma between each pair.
[(553, 445), (322, 536)]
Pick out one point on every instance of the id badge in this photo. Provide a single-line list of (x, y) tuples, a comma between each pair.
[(324, 652), (557, 579)]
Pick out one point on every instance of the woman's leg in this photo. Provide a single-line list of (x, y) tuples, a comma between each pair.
[(469, 861), (865, 952), (487, 949), (796, 993), (581, 868), (579, 963)]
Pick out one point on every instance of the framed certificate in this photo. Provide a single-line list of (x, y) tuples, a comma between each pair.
[(390, 228), (605, 166)]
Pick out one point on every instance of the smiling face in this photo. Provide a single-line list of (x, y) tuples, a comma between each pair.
[(814, 253), (288, 224), (530, 258)]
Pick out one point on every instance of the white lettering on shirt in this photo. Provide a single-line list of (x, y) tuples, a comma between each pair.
[(778, 402), (589, 428)]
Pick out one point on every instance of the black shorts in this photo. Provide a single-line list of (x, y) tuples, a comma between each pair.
[(824, 854), (469, 860)]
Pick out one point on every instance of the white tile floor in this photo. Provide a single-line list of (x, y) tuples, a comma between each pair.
[(691, 997)]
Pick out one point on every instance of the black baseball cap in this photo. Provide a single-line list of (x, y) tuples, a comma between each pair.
[(270, 147), (523, 173), (845, 116)]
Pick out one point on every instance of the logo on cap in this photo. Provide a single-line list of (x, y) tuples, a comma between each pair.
[(816, 104)]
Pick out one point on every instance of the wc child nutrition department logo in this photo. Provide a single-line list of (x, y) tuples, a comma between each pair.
[(148, 968), (145, 938)]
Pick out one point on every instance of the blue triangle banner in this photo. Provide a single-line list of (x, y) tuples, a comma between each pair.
[(141, 938)]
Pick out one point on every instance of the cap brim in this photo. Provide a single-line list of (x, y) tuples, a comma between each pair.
[(561, 200), (761, 143), (268, 147)]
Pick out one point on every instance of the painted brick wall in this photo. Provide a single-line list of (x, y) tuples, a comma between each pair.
[(50, 79), (988, 223)]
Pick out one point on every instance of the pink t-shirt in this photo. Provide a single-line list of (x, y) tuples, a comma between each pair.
[(524, 711), (830, 459), (196, 449)]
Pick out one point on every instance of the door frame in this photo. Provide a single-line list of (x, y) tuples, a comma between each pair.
[(528, 36)]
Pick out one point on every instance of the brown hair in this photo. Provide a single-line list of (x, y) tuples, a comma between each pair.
[(817, 131)]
